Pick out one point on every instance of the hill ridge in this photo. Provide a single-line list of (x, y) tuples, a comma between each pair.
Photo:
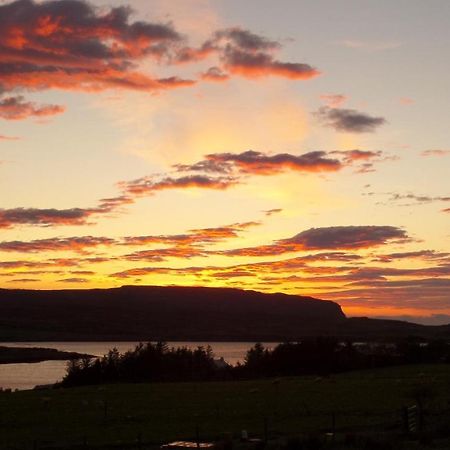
[(180, 313)]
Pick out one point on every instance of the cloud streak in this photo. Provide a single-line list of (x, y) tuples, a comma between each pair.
[(409, 199), (74, 244), (148, 185), (43, 217), (219, 171), (253, 162)]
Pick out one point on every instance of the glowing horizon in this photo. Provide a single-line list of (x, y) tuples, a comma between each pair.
[(197, 143)]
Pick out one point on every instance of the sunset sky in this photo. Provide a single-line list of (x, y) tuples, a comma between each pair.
[(293, 146)]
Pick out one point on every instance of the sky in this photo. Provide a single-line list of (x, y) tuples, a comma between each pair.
[(292, 146)]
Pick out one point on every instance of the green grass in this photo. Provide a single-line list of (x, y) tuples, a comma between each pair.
[(168, 411)]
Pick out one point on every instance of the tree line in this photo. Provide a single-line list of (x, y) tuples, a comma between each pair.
[(157, 362)]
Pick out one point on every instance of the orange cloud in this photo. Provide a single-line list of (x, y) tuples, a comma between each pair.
[(75, 46), (189, 245)]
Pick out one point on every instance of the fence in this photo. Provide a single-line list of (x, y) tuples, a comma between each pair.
[(327, 426)]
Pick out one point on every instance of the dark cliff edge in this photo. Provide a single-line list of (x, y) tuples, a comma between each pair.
[(182, 314)]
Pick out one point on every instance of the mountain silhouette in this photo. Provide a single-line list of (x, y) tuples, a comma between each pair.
[(184, 313)]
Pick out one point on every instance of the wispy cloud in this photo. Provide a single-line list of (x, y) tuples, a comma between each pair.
[(242, 52), (426, 255), (406, 101), (410, 199), (436, 152), (215, 74), (372, 46), (334, 100), (8, 138), (271, 212), (73, 280)]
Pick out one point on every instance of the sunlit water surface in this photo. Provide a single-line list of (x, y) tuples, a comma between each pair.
[(27, 376)]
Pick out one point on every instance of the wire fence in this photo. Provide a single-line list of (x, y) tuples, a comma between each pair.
[(328, 427)]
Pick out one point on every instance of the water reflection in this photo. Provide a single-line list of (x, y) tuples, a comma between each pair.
[(26, 375)]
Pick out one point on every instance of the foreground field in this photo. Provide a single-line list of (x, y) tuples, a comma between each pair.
[(155, 413)]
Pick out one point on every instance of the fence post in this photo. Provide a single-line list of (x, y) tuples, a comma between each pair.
[(405, 419), (333, 424), (420, 417), (266, 430), (217, 411), (197, 436), (412, 418)]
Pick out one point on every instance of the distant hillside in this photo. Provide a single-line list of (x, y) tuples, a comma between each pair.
[(181, 313)]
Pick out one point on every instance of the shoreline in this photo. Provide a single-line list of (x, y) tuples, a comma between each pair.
[(30, 355)]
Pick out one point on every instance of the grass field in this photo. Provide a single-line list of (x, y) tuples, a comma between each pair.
[(360, 401)]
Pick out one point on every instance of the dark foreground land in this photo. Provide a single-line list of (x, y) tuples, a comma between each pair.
[(152, 313), (12, 355), (364, 408)]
